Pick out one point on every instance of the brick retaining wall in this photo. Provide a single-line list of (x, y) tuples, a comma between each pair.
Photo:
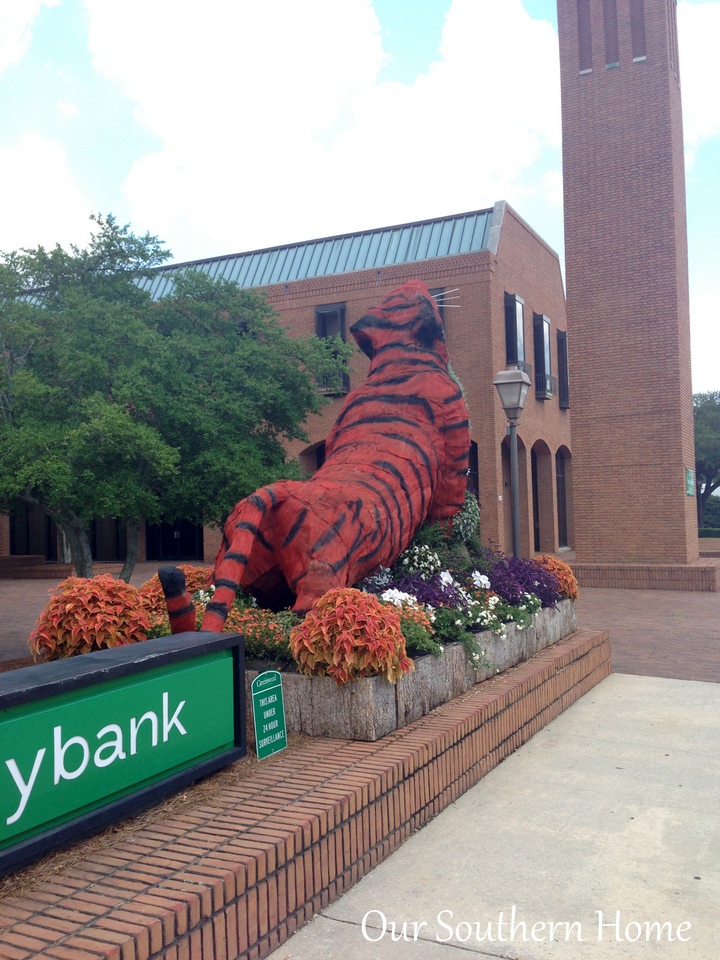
[(235, 878), (703, 575)]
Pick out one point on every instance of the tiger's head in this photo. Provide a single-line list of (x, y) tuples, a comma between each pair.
[(408, 317)]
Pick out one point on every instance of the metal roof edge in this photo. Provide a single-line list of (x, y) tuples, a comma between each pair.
[(498, 214), (339, 236)]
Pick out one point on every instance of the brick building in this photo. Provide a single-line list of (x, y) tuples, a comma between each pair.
[(509, 307), (627, 291)]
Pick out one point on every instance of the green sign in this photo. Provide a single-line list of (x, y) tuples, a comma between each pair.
[(689, 482), (268, 714), (89, 742)]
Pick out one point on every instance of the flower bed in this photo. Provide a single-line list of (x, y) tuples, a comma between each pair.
[(370, 708), (448, 614)]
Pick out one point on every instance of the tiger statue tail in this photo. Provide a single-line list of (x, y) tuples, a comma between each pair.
[(244, 554)]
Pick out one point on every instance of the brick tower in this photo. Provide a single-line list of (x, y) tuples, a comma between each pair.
[(627, 290)]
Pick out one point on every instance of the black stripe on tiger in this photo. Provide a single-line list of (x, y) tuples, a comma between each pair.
[(258, 502), (390, 399), (391, 468), (330, 534), (255, 531), (393, 495), (386, 507), (460, 425), (378, 418), (296, 527), (220, 609), (344, 561), (422, 454), (236, 557), (181, 612), (225, 582)]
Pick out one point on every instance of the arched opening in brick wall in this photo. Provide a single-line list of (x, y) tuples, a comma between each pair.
[(544, 504), (525, 504), (563, 484), (312, 458)]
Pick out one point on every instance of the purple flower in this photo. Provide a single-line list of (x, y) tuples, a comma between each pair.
[(433, 591), (512, 577)]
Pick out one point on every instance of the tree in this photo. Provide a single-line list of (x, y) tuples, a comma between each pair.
[(235, 388), (73, 335), (113, 405), (706, 408)]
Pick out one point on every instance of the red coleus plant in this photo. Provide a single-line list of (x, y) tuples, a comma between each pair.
[(88, 614), (349, 634)]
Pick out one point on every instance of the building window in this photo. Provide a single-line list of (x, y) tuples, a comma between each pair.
[(330, 321), (584, 36), (329, 324), (515, 332), (637, 29), (672, 23), (563, 370), (612, 49), (545, 383), (437, 294)]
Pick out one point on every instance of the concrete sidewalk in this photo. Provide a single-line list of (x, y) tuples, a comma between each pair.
[(607, 816)]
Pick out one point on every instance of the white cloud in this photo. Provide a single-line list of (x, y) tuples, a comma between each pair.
[(16, 17), (66, 109), (705, 339), (698, 32), (40, 202), (275, 127)]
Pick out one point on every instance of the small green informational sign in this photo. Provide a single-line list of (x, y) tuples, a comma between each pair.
[(268, 714), (689, 482)]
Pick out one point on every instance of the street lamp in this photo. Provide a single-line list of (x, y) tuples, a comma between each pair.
[(512, 387)]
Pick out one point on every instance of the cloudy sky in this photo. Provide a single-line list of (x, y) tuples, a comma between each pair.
[(236, 124)]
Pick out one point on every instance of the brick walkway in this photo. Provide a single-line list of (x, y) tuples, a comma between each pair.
[(657, 633), (21, 602), (654, 633)]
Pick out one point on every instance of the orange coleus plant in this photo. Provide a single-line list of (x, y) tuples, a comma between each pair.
[(266, 633), (567, 583), (349, 634), (88, 614)]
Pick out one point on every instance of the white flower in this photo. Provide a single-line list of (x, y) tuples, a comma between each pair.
[(446, 579), (398, 598), (480, 580)]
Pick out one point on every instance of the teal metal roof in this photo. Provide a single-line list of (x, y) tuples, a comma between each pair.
[(366, 250)]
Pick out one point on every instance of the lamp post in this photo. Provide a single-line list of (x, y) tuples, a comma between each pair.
[(512, 386)]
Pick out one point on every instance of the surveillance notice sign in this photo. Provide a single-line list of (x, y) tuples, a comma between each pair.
[(268, 714)]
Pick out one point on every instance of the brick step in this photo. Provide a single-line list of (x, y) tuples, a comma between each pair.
[(37, 568)]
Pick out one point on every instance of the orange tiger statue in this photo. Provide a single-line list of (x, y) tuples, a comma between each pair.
[(397, 456)]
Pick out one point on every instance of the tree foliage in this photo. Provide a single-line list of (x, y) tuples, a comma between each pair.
[(706, 407), (114, 405), (235, 389)]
